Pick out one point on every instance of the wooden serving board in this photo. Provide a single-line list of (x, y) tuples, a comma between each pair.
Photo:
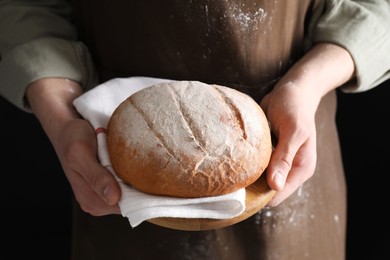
[(257, 196)]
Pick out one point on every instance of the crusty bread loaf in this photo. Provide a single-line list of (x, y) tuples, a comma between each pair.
[(189, 139)]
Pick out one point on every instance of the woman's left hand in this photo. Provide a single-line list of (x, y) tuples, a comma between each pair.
[(291, 108)]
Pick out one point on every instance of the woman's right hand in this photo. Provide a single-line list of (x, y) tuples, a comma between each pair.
[(74, 141)]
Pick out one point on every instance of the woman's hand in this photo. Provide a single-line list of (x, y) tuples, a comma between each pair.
[(291, 107), (290, 112), (74, 141)]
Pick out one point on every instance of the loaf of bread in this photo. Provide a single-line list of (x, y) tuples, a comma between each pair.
[(189, 139)]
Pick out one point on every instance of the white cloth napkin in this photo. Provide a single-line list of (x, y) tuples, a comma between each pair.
[(96, 106)]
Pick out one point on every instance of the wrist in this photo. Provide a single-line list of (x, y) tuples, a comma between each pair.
[(51, 100)]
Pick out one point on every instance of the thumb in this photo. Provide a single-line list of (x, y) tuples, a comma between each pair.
[(104, 184), (280, 164), (111, 191)]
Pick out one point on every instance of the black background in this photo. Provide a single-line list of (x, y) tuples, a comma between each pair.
[(36, 197)]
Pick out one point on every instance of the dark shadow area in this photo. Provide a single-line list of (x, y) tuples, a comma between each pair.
[(363, 120), (35, 198)]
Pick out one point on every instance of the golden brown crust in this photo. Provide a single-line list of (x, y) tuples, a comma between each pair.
[(189, 139)]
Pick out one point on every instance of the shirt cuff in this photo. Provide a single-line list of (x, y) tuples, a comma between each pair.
[(43, 58), (363, 33)]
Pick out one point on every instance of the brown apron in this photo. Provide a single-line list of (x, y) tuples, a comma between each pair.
[(245, 44)]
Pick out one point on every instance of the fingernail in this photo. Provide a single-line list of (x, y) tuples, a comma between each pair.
[(107, 194), (279, 179)]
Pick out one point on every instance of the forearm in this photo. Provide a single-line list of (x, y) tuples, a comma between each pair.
[(323, 68)]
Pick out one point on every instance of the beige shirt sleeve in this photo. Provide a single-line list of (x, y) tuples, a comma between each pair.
[(38, 41), (363, 28)]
